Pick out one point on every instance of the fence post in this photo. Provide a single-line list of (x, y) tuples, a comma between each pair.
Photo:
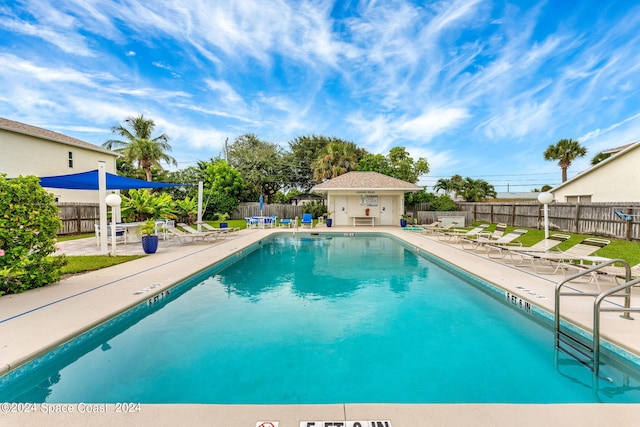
[(577, 218), (513, 214), (78, 219), (627, 231)]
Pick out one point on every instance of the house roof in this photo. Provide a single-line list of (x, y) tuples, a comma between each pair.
[(617, 149), (37, 132), (626, 148), (365, 181)]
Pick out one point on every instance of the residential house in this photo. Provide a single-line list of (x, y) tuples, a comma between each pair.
[(29, 150), (615, 179)]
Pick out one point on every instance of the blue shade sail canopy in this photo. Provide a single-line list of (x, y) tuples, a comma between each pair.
[(89, 181)]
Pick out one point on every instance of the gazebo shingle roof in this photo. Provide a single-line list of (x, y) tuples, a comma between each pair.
[(366, 181), (25, 129)]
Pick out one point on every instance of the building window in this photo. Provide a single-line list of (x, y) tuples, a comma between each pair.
[(70, 159), (585, 199), (578, 199)]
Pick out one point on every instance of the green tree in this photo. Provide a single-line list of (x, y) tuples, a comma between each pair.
[(599, 157), (223, 187), (375, 163), (476, 190), (28, 225), (261, 165), (335, 159), (565, 151), (303, 150), (404, 167), (398, 164), (189, 176), (139, 146)]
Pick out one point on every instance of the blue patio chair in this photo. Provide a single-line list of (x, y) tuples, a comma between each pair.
[(285, 222), (307, 220), (269, 221), (251, 222)]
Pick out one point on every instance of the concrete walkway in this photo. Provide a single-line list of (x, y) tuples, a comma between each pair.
[(38, 320)]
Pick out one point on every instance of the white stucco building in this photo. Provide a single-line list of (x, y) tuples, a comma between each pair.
[(365, 198), (29, 150), (616, 179)]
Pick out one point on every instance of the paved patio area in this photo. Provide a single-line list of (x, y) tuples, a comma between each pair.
[(37, 320)]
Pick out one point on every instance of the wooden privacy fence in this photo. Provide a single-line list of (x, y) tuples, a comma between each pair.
[(280, 210), (597, 219), (78, 218)]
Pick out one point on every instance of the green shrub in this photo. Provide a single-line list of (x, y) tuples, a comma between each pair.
[(315, 207), (28, 224), (140, 205), (443, 203), (186, 210)]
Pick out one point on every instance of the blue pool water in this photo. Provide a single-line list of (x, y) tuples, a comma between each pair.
[(321, 320)]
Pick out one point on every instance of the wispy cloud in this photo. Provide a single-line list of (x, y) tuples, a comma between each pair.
[(437, 77)]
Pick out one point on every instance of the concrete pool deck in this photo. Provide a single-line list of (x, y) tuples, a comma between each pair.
[(38, 320)]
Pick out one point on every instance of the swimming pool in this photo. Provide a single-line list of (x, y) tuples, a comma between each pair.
[(319, 319)]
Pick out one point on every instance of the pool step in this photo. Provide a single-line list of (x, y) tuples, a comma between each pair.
[(576, 348)]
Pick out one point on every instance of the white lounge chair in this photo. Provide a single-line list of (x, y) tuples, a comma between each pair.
[(457, 235), (206, 235), (485, 243), (581, 252), (615, 271), (184, 237), (223, 232), (544, 245)]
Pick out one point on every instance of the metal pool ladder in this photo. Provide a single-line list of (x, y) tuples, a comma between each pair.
[(585, 352)]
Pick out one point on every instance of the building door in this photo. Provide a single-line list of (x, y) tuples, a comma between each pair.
[(387, 213), (341, 216)]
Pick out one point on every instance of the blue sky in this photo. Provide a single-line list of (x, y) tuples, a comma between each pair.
[(480, 88)]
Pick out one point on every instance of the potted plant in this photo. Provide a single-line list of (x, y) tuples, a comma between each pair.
[(149, 236), (223, 217), (328, 220)]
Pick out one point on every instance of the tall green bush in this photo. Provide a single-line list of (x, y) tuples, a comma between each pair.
[(28, 225), (186, 210), (141, 205), (315, 207)]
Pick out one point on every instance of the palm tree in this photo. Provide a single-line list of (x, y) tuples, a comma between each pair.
[(565, 151), (450, 186), (476, 190), (337, 158), (139, 146)]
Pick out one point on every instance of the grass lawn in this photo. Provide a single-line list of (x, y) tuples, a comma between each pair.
[(81, 264)]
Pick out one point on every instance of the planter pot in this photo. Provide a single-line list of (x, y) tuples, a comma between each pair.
[(224, 225), (403, 223), (149, 244), (329, 222)]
